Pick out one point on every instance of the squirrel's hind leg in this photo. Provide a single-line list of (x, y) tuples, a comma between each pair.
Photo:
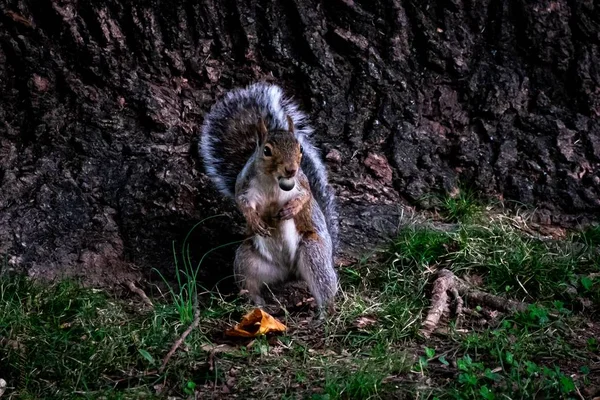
[(252, 271), (315, 266)]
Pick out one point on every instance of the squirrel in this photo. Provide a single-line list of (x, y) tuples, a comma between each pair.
[(255, 146)]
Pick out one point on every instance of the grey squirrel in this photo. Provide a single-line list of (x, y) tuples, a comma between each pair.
[(256, 149)]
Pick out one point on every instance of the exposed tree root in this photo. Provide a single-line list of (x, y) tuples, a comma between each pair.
[(448, 283)]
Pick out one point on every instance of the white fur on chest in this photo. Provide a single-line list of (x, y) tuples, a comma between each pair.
[(281, 247)]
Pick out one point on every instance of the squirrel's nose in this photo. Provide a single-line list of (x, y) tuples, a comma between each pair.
[(290, 172)]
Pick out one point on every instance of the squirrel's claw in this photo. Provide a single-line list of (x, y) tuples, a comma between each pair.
[(288, 211), (257, 225), (285, 214), (263, 232), (262, 229)]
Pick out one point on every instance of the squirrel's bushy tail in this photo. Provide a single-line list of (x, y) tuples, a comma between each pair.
[(227, 141)]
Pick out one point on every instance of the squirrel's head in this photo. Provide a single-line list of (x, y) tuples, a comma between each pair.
[(279, 154)]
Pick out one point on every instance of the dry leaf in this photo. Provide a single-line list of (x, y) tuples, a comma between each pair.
[(256, 323)]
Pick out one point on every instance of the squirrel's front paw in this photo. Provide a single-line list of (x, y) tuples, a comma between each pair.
[(289, 210), (256, 224)]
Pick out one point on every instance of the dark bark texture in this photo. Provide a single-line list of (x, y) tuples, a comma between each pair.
[(101, 104)]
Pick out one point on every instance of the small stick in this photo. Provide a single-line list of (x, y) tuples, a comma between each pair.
[(579, 393), (179, 341), (139, 292)]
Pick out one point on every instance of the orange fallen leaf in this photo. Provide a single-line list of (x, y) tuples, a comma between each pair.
[(256, 323)]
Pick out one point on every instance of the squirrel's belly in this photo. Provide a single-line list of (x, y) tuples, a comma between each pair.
[(281, 247)]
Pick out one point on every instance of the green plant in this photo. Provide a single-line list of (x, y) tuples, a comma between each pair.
[(589, 236), (420, 246), (512, 347), (592, 345), (520, 264), (519, 379), (65, 341), (423, 361), (462, 207), (59, 340), (189, 387), (360, 384), (186, 298)]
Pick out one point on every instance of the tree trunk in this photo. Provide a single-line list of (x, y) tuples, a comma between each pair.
[(102, 102)]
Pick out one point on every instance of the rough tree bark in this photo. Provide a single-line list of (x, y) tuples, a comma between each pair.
[(102, 101)]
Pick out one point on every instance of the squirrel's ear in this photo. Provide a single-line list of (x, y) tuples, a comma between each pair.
[(262, 132), (290, 124)]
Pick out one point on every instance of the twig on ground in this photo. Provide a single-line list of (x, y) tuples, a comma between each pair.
[(179, 341), (446, 282), (139, 292), (579, 393)]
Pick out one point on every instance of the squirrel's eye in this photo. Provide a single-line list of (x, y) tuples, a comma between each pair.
[(267, 151), (301, 149)]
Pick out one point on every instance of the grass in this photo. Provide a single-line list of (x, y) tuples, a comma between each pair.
[(62, 340), (520, 264), (462, 207), (523, 350), (511, 261), (507, 360), (589, 236), (185, 296), (65, 341)]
